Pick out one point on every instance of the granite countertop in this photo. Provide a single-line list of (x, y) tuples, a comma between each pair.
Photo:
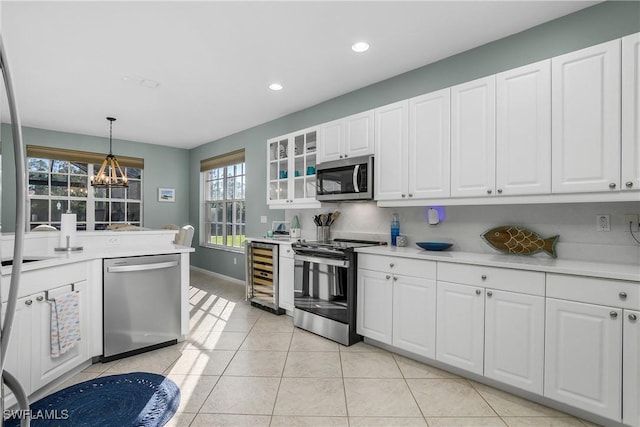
[(549, 265)]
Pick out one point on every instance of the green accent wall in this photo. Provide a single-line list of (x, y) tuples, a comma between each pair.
[(600, 23), (163, 167)]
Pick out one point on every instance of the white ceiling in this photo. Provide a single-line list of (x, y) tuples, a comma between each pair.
[(215, 59)]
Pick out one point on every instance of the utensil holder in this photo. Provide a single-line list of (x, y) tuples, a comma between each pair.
[(323, 234)]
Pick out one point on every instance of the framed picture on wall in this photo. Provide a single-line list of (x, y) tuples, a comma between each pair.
[(166, 194)]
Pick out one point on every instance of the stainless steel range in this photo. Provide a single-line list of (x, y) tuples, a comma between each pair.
[(325, 297)]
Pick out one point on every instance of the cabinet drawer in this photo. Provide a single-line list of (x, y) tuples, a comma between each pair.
[(506, 279), (404, 266), (285, 250), (609, 292)]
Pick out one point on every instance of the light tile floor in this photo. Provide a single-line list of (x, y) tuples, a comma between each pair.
[(244, 366)]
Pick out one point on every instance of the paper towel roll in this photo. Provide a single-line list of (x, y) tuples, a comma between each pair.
[(67, 228)]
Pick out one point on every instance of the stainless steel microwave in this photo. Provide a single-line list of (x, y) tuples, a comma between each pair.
[(346, 179)]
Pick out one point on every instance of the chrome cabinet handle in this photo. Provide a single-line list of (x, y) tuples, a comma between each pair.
[(395, 279), (489, 191), (613, 314), (388, 277), (391, 265), (40, 298), (346, 155), (622, 295), (612, 185), (499, 190), (28, 302), (410, 195), (404, 196), (340, 155), (478, 291), (489, 293), (633, 317), (483, 277), (629, 184)]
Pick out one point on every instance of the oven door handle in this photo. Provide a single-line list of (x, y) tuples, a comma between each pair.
[(321, 260)]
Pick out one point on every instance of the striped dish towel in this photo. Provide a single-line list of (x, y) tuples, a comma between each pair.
[(65, 323)]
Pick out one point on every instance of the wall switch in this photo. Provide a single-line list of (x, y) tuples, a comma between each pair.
[(263, 219), (603, 222), (634, 220)]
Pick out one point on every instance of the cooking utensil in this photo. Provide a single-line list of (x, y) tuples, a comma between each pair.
[(334, 216), (323, 219)]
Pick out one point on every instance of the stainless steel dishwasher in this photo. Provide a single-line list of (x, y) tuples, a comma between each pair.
[(141, 304)]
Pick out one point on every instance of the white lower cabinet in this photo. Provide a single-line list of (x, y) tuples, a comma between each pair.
[(631, 368), (414, 319), (286, 277), (29, 353), (514, 339), (583, 359), (397, 302), (460, 326), (45, 367), (374, 305)]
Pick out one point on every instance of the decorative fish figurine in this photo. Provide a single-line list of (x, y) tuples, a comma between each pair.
[(512, 239)]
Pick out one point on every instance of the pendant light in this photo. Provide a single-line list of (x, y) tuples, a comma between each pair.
[(113, 176)]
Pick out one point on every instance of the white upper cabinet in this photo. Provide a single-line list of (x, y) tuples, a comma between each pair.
[(391, 147), (347, 137), (429, 145), (291, 170), (523, 133), (473, 132), (631, 112), (586, 119)]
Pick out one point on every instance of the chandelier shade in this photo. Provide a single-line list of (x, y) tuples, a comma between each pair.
[(110, 174)]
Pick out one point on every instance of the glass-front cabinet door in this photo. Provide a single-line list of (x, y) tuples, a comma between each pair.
[(291, 170)]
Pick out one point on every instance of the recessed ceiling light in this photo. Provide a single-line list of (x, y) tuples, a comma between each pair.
[(275, 86), (360, 47)]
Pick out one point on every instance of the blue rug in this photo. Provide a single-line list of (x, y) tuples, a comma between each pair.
[(135, 399)]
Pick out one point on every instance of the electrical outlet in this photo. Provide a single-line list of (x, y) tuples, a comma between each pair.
[(634, 220), (235, 260), (603, 222), (263, 219)]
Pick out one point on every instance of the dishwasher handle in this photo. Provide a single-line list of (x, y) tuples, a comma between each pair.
[(141, 267)]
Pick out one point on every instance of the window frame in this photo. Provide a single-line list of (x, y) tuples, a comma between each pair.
[(238, 222)]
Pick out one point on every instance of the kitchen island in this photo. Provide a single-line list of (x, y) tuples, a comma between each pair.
[(49, 272)]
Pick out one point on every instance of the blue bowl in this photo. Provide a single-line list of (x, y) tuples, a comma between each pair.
[(434, 246)]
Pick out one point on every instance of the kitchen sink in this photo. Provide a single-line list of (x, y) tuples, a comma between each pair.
[(9, 262)]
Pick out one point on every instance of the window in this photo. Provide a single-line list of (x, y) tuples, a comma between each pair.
[(224, 219), (59, 180)]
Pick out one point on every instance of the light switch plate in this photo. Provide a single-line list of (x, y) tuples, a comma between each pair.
[(263, 219)]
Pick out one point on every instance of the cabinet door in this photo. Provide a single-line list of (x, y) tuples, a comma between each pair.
[(523, 132), (331, 141), (414, 315), (583, 356), (373, 313), (514, 339), (473, 138), (391, 136), (631, 112), (586, 119), (23, 335), (631, 368), (460, 326), (278, 171), (358, 130), (303, 157), (45, 367), (285, 278), (429, 145)]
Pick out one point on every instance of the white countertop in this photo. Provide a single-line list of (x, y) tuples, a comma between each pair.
[(548, 265)]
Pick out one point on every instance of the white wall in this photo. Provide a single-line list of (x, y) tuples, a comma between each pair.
[(463, 225)]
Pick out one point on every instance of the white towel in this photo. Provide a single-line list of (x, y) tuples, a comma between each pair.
[(65, 323)]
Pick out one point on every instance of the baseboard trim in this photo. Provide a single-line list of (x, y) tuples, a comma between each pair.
[(218, 275)]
